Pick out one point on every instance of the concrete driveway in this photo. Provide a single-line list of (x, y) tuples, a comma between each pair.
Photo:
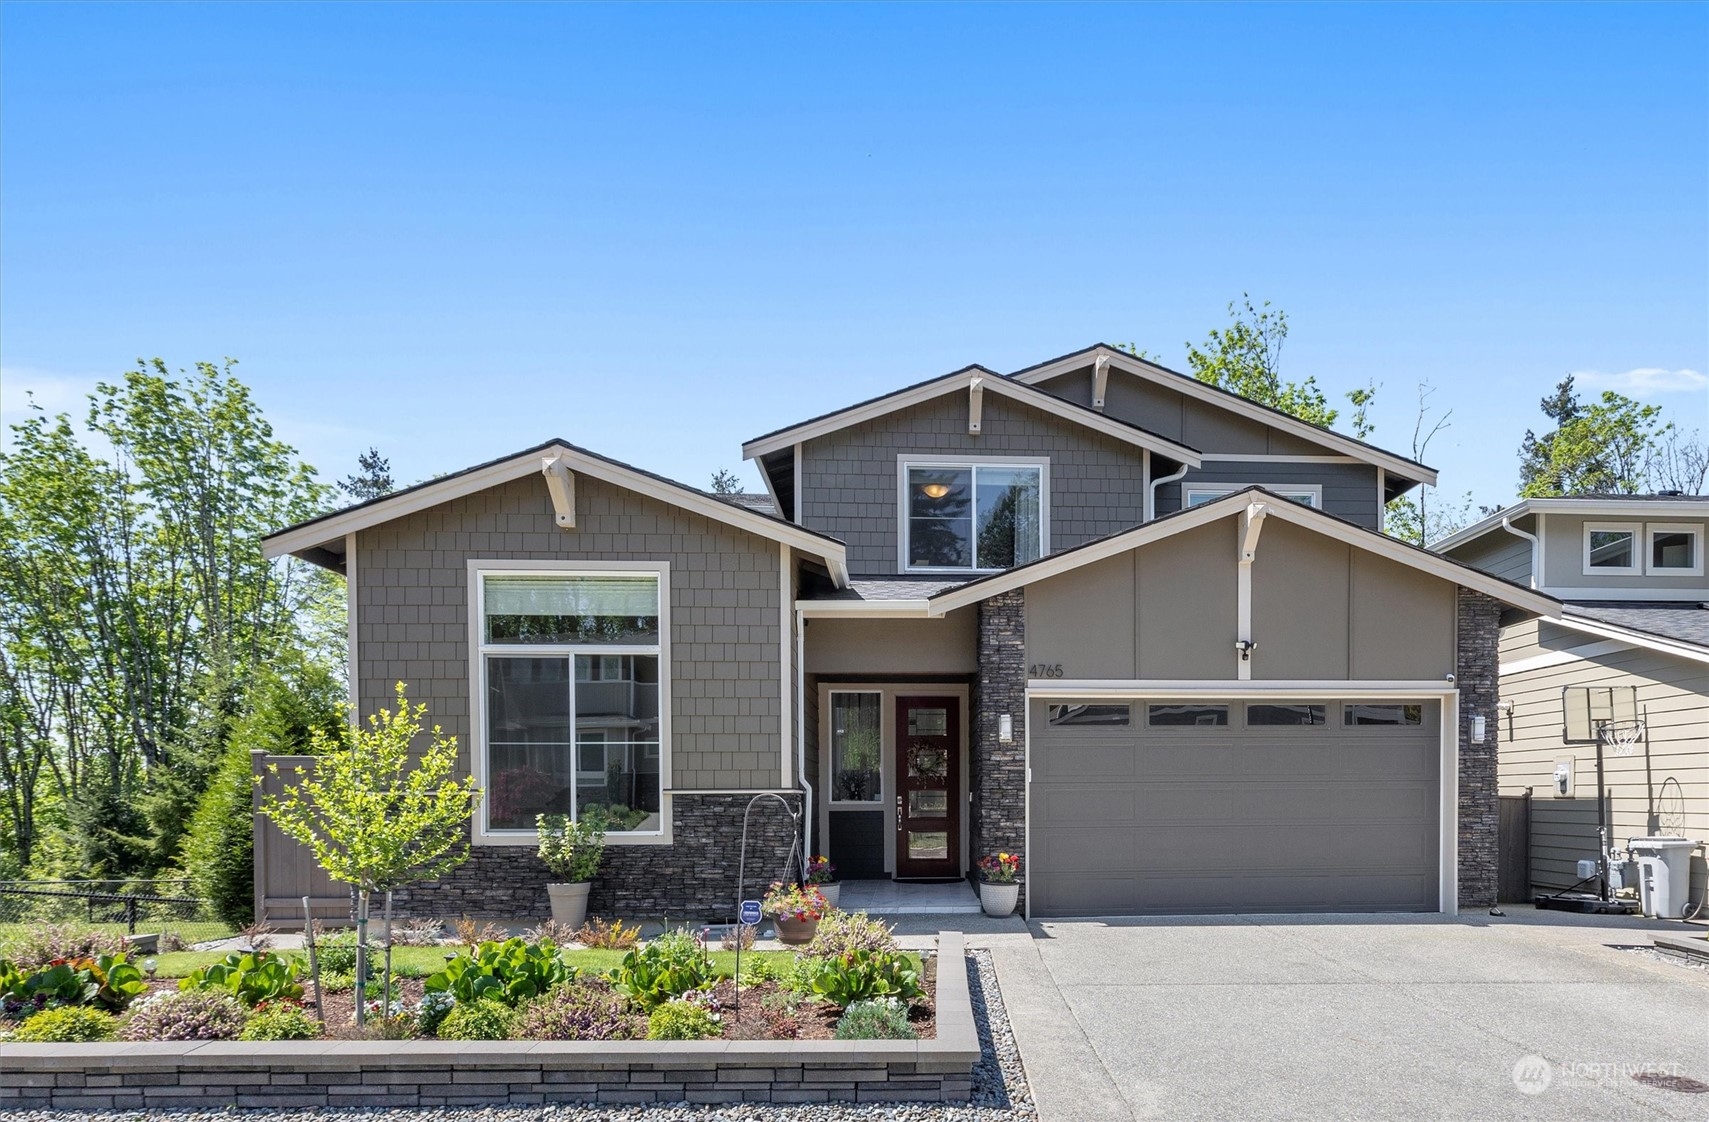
[(1354, 1017)]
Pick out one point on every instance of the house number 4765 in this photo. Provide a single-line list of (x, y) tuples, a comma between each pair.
[(1045, 670)]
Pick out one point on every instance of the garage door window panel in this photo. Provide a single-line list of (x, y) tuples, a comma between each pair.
[(1286, 715), (1186, 714), (1383, 714)]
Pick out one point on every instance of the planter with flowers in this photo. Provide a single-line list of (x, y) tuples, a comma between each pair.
[(821, 874), (998, 889), (796, 910), (572, 851)]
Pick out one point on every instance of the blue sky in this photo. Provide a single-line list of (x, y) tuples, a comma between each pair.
[(453, 232)]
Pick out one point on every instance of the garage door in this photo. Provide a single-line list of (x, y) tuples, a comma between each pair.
[(1179, 807)]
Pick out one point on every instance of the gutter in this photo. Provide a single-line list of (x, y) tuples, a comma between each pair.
[(807, 812), (1536, 544), (1151, 499)]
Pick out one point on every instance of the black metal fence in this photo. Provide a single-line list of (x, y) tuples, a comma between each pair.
[(163, 906)]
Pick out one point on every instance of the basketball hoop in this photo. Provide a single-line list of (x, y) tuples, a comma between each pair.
[(1621, 737)]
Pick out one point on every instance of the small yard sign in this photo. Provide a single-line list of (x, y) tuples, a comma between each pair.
[(750, 911)]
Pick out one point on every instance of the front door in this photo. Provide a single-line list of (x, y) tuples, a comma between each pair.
[(928, 787)]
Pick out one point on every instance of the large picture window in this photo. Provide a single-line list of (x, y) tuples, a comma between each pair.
[(972, 515), (571, 667)]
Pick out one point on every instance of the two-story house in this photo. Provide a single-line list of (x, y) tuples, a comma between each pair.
[(1144, 632), (1626, 663)]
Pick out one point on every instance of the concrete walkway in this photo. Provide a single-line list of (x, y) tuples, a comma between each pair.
[(1353, 1017)]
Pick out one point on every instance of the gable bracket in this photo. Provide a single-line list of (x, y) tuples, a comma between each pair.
[(1100, 381), (561, 482), (1251, 525), (975, 403)]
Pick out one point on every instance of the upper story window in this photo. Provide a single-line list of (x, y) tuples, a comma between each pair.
[(1611, 549), (1631, 549), (1198, 493), (1674, 551), (972, 515)]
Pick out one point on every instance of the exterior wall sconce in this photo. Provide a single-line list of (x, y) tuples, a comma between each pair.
[(1005, 729)]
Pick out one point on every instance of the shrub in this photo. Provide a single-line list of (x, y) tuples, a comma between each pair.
[(551, 931), (336, 954), (840, 932), (418, 933), (70, 1024), (185, 1015), (432, 1010), (588, 1009), (573, 850), (613, 936), (882, 1018), (42, 943), (682, 1020), (477, 1020), (337, 982), (282, 1020), (252, 977), (666, 968), (739, 937), (861, 975), (511, 972)]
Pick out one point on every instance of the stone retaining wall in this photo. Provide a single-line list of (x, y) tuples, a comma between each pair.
[(341, 1073)]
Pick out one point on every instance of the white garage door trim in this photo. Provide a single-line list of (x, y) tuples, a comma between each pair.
[(1448, 813)]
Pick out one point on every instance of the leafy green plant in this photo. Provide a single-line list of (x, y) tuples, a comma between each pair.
[(432, 1010), (882, 1018), (573, 850), (511, 972), (840, 932), (70, 1024), (336, 953), (666, 968), (250, 976), (589, 1008), (284, 1020), (108, 982), (337, 982), (682, 1020), (185, 1015), (863, 975), (478, 1020)]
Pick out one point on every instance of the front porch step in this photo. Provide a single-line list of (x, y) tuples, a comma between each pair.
[(899, 898)]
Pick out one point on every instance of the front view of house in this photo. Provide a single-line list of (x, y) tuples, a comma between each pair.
[(1144, 632)]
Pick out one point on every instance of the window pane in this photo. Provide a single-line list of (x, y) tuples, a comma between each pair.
[(1009, 522), (1611, 549), (1356, 713), (1187, 713), (855, 748), (1673, 550), (528, 740), (1198, 498), (617, 732), (1287, 714), (1089, 715), (940, 517), (570, 609)]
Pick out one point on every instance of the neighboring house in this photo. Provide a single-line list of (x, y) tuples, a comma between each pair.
[(1140, 630), (1631, 648)]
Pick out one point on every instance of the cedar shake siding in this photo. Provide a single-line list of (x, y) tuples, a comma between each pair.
[(849, 477)]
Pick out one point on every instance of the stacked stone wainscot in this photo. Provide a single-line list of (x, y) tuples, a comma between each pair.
[(999, 770), (1477, 676)]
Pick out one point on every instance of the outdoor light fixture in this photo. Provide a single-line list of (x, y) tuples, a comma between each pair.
[(935, 490), (1005, 729), (149, 966)]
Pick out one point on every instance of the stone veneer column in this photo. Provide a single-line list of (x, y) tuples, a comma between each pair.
[(1477, 675), (998, 771)]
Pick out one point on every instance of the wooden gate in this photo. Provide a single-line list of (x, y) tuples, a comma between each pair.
[(285, 872), (1513, 855)]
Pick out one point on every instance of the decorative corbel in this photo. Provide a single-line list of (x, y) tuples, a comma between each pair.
[(975, 395), (1100, 380), (561, 483)]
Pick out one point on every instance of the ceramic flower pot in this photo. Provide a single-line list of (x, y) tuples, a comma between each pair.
[(830, 892), (999, 900), (795, 932), (569, 903)]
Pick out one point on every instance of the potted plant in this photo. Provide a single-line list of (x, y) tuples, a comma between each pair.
[(795, 910), (821, 874), (998, 889), (573, 851)]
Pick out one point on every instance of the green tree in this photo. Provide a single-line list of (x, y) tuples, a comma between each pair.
[(725, 482), (1599, 448), (375, 817), (373, 477), (1245, 358)]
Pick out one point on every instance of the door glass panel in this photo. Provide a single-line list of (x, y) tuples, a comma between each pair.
[(927, 761), (928, 804), (928, 846), (928, 722), (855, 747)]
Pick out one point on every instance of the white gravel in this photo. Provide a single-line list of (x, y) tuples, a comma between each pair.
[(1000, 1093)]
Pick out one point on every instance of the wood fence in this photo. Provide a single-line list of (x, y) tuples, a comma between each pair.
[(285, 872)]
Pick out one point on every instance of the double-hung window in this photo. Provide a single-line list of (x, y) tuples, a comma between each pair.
[(984, 515), (570, 673)]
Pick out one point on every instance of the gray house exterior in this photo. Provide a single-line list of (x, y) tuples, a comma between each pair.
[(1144, 633)]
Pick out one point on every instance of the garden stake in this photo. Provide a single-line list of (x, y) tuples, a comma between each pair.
[(314, 959)]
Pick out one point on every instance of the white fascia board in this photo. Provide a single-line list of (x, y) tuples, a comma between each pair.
[(1615, 593), (1194, 688), (317, 533), (1234, 404), (963, 380), (862, 609), (1627, 509), (1676, 647)]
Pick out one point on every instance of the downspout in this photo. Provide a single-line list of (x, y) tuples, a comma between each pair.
[(1151, 499), (1536, 544), (808, 815)]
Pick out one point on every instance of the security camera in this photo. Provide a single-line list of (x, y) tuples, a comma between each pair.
[(1450, 678)]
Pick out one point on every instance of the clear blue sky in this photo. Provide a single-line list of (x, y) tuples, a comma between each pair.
[(453, 232)]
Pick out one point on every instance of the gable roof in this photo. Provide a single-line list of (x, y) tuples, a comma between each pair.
[(1186, 384), (1615, 506), (962, 380), (313, 539), (1169, 525)]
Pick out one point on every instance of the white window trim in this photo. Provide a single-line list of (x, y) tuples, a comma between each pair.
[(831, 751), (1636, 529), (905, 462), (1218, 490), (479, 649), (1651, 529)]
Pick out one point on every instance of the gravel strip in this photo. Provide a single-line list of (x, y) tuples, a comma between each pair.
[(1000, 1093)]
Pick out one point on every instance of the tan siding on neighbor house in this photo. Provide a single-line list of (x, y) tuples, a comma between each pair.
[(1673, 695), (726, 630)]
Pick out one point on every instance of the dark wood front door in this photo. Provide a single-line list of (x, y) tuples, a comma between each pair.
[(928, 787)]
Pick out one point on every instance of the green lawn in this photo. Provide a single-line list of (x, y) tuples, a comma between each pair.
[(420, 961)]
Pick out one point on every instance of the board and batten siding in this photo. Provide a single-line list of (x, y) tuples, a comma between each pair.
[(1673, 694), (725, 615), (849, 478)]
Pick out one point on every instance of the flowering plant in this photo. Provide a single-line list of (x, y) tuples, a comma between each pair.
[(999, 868), (791, 901), (821, 871)]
